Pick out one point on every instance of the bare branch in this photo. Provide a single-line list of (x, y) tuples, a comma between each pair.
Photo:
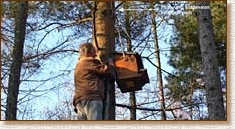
[(151, 109), (146, 109), (49, 53), (119, 5), (84, 20), (88, 5)]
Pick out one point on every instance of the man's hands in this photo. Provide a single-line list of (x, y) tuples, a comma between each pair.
[(111, 62)]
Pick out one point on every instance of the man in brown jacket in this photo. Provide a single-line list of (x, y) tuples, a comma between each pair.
[(89, 84)]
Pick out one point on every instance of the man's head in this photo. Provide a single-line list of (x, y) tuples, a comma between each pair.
[(87, 50)]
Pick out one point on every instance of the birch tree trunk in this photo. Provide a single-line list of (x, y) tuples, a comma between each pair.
[(209, 62), (15, 68)]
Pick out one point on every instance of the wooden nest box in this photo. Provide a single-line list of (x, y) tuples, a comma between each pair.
[(131, 75)]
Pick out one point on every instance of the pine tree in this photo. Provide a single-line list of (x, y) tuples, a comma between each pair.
[(186, 84), (210, 63)]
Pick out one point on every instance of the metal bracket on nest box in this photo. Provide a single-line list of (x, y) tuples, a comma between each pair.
[(131, 75)]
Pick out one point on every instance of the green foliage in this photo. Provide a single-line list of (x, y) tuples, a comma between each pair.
[(185, 54), (219, 23), (48, 17)]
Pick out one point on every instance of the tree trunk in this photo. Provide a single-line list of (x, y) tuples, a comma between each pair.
[(15, 68), (132, 98), (104, 41), (210, 64), (159, 72)]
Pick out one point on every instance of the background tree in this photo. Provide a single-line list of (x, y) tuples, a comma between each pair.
[(20, 17), (159, 68), (210, 67), (189, 88), (131, 38), (132, 96), (37, 55), (55, 29)]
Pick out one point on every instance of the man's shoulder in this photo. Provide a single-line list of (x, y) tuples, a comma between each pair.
[(86, 59), (89, 60)]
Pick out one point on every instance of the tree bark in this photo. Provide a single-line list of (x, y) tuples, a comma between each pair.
[(132, 98), (159, 72), (15, 68), (210, 64), (104, 40)]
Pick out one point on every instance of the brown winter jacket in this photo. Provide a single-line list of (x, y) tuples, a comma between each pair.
[(88, 78)]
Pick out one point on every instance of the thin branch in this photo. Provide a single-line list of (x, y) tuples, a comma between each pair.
[(94, 27), (130, 107), (54, 23), (88, 5), (147, 58), (43, 55), (151, 109), (119, 5), (151, 115), (84, 20)]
